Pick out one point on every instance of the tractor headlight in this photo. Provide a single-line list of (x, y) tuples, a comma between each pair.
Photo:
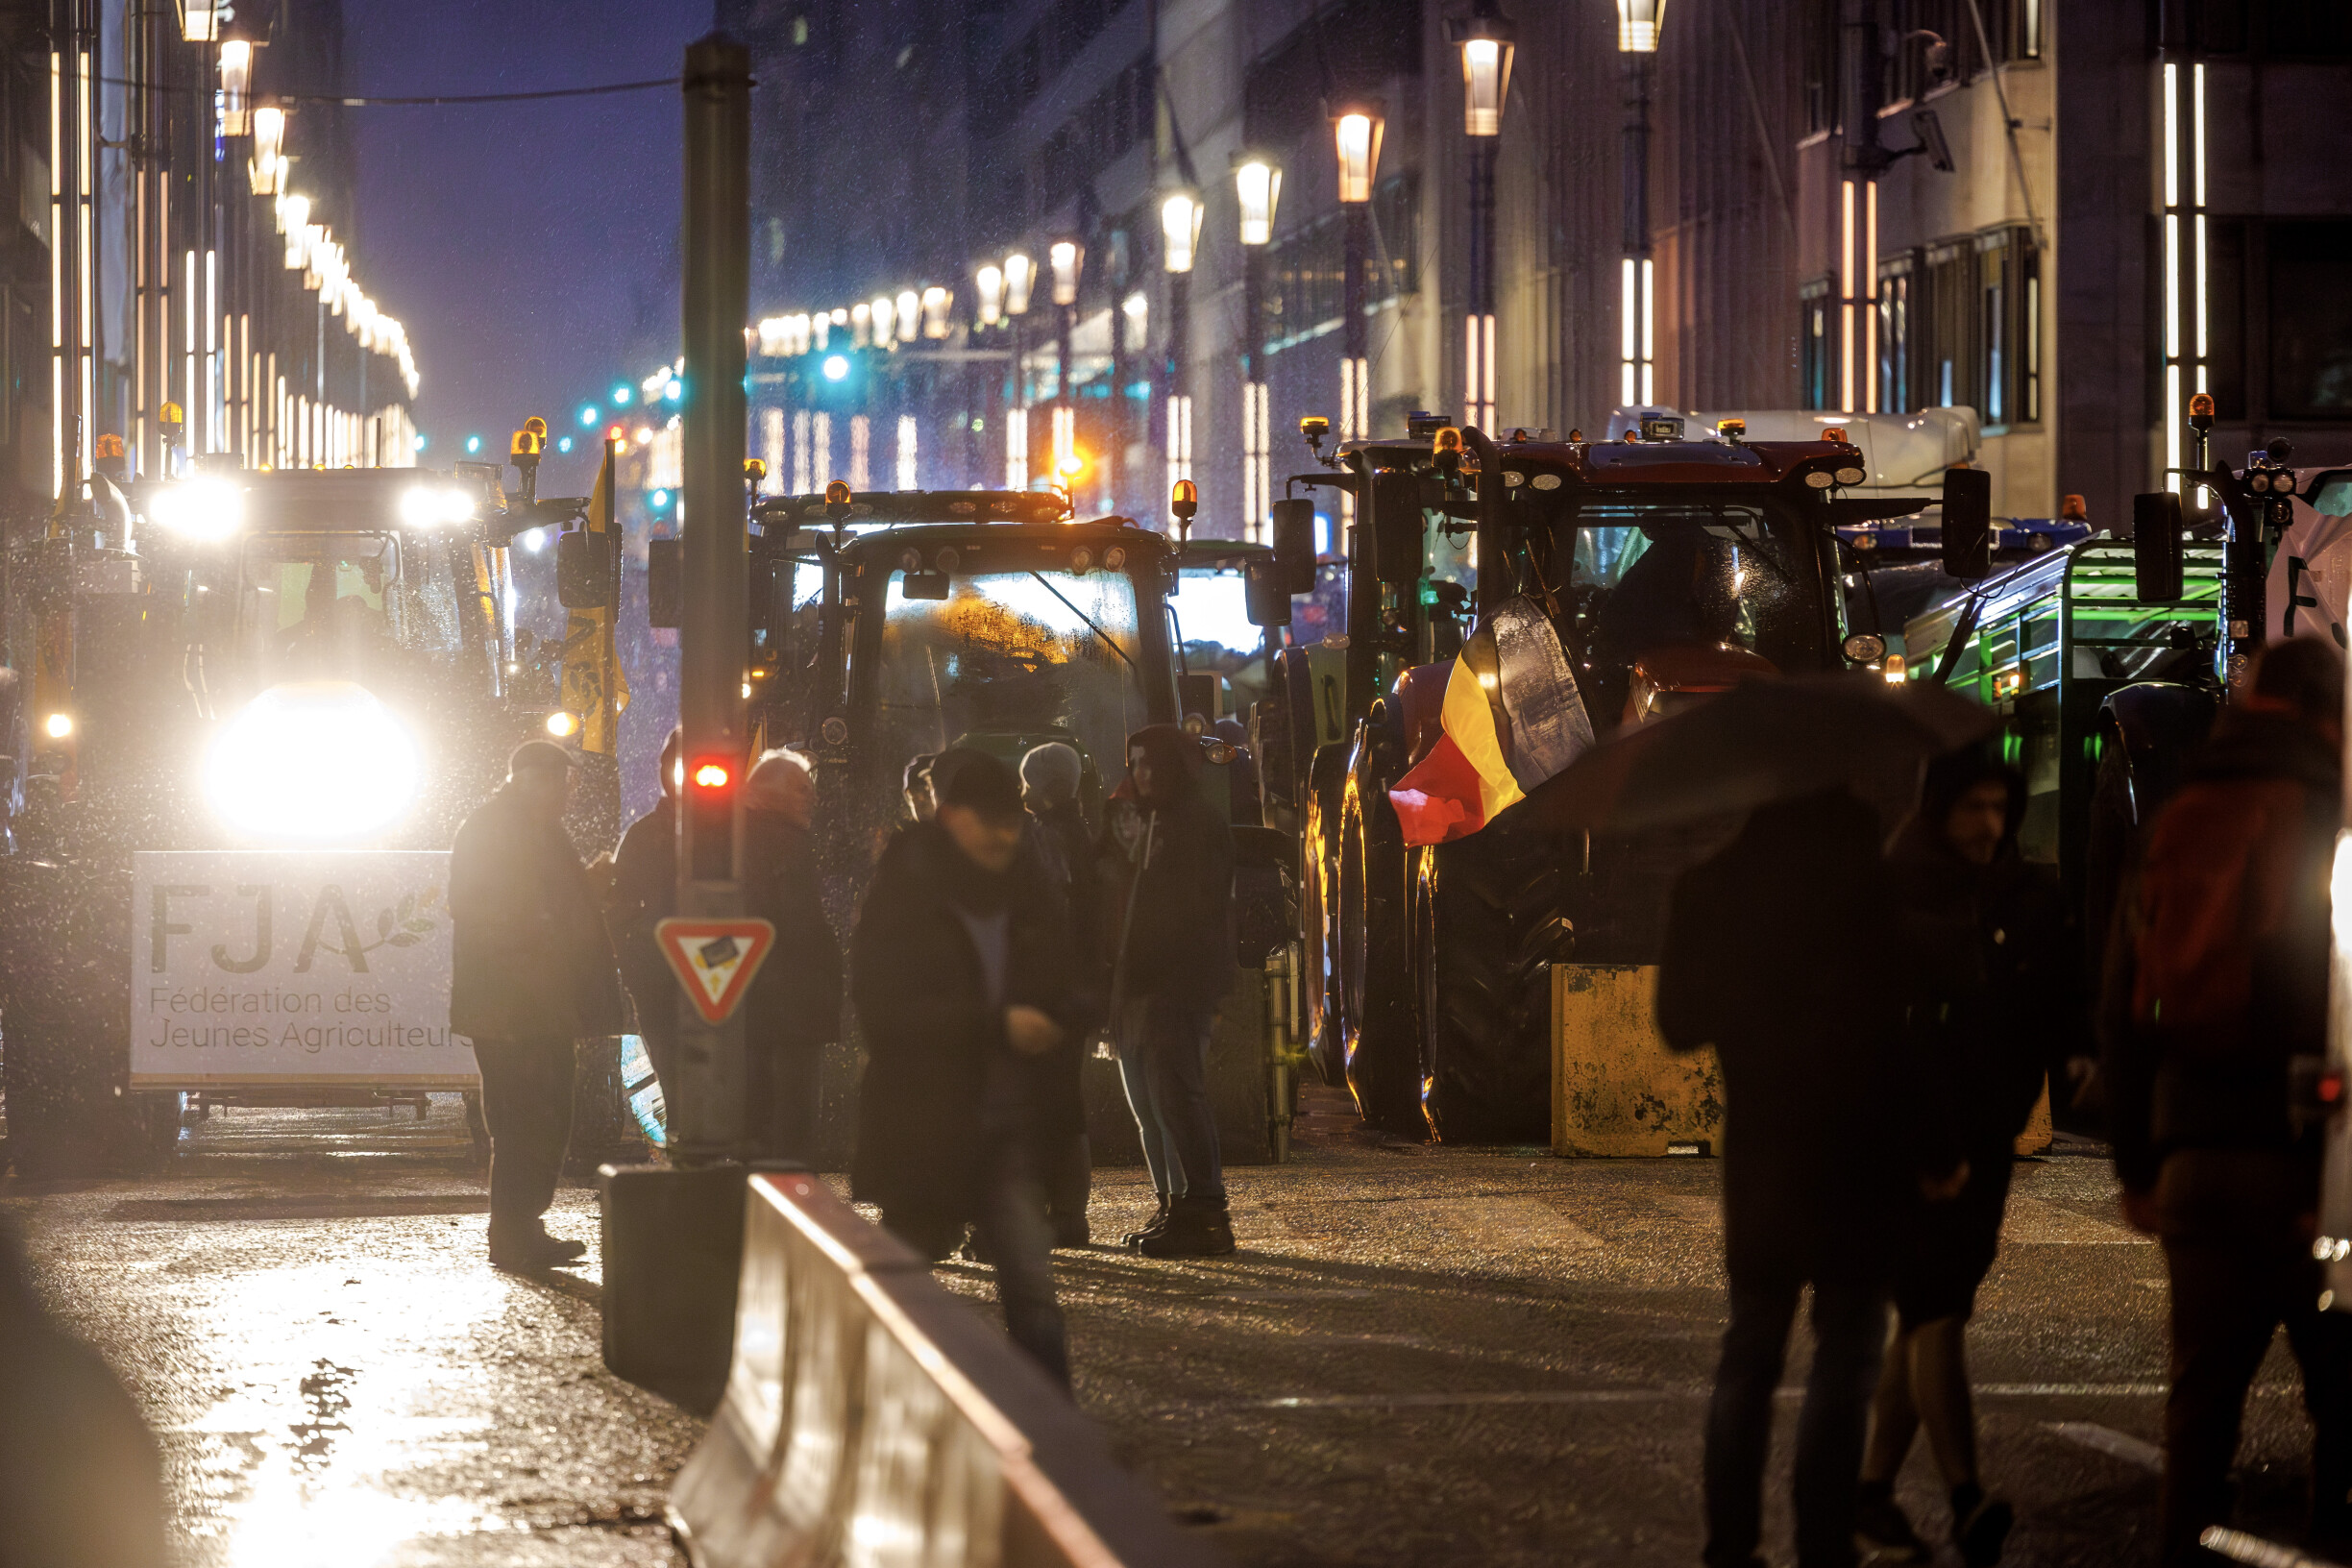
[(311, 761), (429, 506), (199, 508)]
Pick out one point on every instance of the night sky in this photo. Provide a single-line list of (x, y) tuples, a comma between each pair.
[(530, 248)]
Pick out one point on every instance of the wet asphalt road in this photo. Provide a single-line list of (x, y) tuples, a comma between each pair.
[(1418, 1356)]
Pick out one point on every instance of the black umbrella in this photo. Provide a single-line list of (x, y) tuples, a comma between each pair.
[(1761, 742)]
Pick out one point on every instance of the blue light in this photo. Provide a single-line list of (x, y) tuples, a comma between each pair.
[(659, 499), (588, 415), (420, 443), (835, 367), (473, 443), (674, 390), (563, 444), (621, 397)]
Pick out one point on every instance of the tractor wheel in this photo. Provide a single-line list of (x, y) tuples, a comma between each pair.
[(1379, 1029), (1487, 930), (1318, 905)]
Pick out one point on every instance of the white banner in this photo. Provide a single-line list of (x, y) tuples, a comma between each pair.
[(301, 968)]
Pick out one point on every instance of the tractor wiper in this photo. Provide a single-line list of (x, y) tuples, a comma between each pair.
[(1088, 620)]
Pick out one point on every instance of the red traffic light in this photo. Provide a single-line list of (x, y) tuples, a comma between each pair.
[(712, 774)]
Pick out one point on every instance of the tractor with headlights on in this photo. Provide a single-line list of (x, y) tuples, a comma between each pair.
[(247, 712)]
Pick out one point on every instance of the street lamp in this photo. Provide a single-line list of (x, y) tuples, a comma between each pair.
[(935, 304), (990, 281), (1020, 277), (1180, 226), (200, 21), (1486, 39), (1355, 131), (235, 78), (1638, 22), (268, 149), (1256, 188), (1065, 257)]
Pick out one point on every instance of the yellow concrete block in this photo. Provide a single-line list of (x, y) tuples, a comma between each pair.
[(1616, 1090)]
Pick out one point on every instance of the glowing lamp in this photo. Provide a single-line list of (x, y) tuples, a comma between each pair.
[(269, 150), (1355, 131), (1486, 39), (711, 775), (1180, 226), (1638, 22), (1065, 259), (990, 282), (235, 78), (1020, 277), (1258, 184)]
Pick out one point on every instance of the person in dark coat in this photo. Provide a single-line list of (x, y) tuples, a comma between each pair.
[(2217, 983), (793, 1006), (958, 968), (1050, 775), (81, 1478), (533, 972), (1762, 962), (645, 891), (1990, 1009), (1173, 964)]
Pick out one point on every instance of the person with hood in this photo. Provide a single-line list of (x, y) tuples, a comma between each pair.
[(1761, 961), (959, 968), (644, 892), (2217, 985), (531, 972), (1172, 967), (793, 1008), (1990, 1009), (1050, 775)]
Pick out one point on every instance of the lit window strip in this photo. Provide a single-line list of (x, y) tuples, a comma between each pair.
[(85, 145), (56, 276)]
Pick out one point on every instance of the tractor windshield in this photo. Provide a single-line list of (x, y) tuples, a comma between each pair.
[(1013, 654), (1664, 600)]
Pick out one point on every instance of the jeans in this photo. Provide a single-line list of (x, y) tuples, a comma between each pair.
[(1163, 1065), (1012, 1232), (1849, 1335), (2227, 1301), (526, 1105)]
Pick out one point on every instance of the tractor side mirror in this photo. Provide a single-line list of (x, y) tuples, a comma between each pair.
[(1968, 523), (1294, 548), (1267, 593), (583, 570), (2156, 547), (665, 582)]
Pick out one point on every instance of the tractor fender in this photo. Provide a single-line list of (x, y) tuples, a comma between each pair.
[(1419, 699), (2157, 724)]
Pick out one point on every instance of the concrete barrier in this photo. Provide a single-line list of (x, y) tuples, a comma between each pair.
[(872, 1418), (1616, 1090)]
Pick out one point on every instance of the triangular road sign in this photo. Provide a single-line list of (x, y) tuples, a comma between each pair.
[(715, 959)]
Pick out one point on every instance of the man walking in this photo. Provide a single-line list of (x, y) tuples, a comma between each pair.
[(959, 969), (533, 972), (1175, 960), (1050, 775), (2217, 984), (793, 1008), (1760, 964)]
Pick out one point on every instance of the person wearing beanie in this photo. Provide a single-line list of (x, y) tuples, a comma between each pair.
[(1173, 966), (960, 971), (793, 1008), (644, 894), (533, 972), (1050, 777)]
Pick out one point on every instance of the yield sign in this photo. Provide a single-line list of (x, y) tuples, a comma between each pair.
[(715, 959)]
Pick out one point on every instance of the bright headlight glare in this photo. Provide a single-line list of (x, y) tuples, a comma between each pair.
[(426, 505), (199, 508), (311, 761)]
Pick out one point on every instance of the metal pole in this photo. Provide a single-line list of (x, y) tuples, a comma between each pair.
[(715, 244), (1179, 382), (1357, 333), (1636, 170)]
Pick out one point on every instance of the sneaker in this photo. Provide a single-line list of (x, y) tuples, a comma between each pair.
[(1194, 1229), (1150, 1227), (540, 1251), (1883, 1532), (1981, 1531)]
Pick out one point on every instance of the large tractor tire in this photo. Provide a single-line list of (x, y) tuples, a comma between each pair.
[(1487, 929), (65, 1026), (1318, 911), (1381, 1034)]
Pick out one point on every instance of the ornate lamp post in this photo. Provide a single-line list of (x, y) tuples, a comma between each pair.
[(1486, 39), (1180, 226), (1258, 187), (1065, 259), (1638, 22)]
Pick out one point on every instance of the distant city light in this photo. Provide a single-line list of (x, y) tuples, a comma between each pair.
[(675, 389), (588, 415), (835, 367), (563, 444), (620, 397), (473, 443), (420, 443), (659, 499)]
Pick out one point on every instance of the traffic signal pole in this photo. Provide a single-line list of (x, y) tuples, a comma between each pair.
[(706, 1103)]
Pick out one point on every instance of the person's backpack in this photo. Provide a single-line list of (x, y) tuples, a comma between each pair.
[(2218, 882)]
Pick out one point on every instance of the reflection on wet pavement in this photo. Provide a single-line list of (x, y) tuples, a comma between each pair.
[(303, 1307)]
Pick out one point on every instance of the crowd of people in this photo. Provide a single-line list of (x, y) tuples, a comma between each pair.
[(1000, 939), (1873, 1105)]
